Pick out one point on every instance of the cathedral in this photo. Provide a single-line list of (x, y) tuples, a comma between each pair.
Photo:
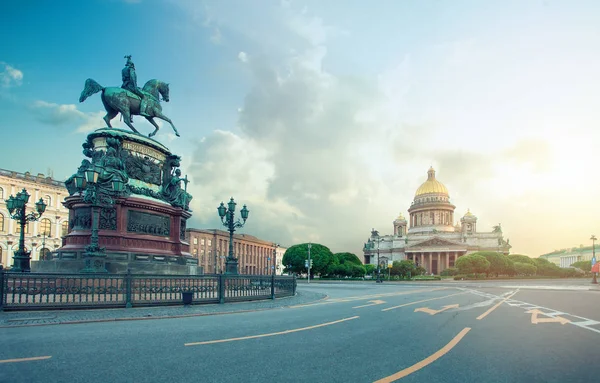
[(429, 237)]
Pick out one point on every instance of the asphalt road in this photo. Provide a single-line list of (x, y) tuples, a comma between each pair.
[(361, 333)]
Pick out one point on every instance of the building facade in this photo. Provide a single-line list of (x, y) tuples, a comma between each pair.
[(429, 237), (255, 256), (42, 236), (566, 257)]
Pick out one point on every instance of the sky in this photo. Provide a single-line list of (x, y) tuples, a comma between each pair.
[(324, 116)]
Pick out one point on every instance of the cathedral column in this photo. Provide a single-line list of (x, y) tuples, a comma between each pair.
[(447, 259), (422, 263), (430, 256), (439, 262)]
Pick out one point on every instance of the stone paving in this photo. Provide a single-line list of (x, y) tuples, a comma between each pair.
[(36, 318)]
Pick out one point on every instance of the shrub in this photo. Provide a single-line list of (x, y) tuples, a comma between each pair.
[(449, 272)]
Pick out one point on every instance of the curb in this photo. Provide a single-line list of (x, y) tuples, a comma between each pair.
[(83, 321)]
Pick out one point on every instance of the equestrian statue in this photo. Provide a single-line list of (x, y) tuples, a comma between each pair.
[(130, 100)]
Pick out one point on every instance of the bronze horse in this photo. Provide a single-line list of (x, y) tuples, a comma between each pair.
[(118, 100)]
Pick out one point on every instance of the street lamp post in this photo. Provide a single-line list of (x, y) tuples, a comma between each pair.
[(227, 218), (308, 264), (17, 207), (96, 196), (274, 257), (594, 278), (43, 255)]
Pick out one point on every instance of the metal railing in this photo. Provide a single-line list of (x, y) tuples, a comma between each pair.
[(32, 291)]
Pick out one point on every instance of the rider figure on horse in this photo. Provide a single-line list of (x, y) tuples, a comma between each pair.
[(130, 83)]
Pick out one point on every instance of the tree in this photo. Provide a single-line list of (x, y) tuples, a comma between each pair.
[(583, 265), (369, 269), (296, 255), (546, 268), (500, 264), (404, 268), (473, 263), (521, 258), (522, 268), (348, 258)]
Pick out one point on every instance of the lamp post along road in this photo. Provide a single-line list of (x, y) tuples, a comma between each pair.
[(94, 256), (227, 218), (17, 207), (595, 275), (308, 263)]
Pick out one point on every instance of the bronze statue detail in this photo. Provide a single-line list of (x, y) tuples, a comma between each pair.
[(130, 100)]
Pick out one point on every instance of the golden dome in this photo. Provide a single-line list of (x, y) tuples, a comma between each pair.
[(400, 218), (431, 185), (469, 214)]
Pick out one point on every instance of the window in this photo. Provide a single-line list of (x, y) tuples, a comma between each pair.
[(44, 254), (1, 193), (209, 242), (65, 228), (1, 222), (46, 227), (202, 241), (0, 255), (195, 241), (48, 200)]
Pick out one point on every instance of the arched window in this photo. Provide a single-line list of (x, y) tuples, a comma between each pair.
[(65, 228), (1, 255), (1, 193), (46, 227), (48, 200), (44, 254), (1, 222)]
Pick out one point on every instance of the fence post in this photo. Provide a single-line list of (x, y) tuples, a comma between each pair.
[(222, 288), (128, 289), (1, 288), (272, 286)]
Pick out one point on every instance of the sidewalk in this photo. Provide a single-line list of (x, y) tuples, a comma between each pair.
[(53, 317)]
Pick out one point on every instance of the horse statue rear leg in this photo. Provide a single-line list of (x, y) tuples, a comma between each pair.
[(127, 120), (109, 116), (151, 120)]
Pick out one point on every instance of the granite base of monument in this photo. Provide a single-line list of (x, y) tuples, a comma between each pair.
[(131, 211)]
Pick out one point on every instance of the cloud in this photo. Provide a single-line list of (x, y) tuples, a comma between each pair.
[(216, 37), (10, 76), (67, 115), (324, 156)]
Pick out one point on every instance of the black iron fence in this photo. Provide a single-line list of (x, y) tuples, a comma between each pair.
[(31, 291)]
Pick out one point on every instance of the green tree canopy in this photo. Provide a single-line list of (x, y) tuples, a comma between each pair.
[(583, 265), (321, 255), (405, 268), (521, 258), (472, 264), (522, 268), (546, 268), (500, 264), (348, 258)]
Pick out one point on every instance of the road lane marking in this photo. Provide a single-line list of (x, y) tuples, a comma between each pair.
[(425, 362), (553, 319), (25, 359), (424, 300), (496, 306), (372, 303), (365, 297), (271, 334), (433, 312)]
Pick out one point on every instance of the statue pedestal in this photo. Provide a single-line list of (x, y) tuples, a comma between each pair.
[(141, 228)]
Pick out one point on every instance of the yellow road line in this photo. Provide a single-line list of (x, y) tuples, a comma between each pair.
[(496, 306), (365, 297), (25, 359), (271, 334), (430, 359), (424, 300)]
